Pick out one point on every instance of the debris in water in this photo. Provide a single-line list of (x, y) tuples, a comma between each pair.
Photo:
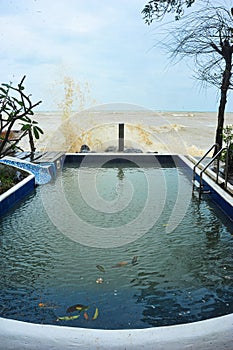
[(96, 314), (99, 280), (134, 260), (101, 268), (47, 306), (86, 315), (68, 318), (121, 263), (76, 307)]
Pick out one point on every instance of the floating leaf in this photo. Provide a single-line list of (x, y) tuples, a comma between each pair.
[(121, 263), (101, 268), (96, 314), (76, 307), (86, 315), (134, 260), (41, 305), (68, 318), (48, 306)]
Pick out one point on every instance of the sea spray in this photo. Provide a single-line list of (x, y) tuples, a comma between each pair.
[(195, 151), (102, 137), (142, 136), (99, 130), (77, 96), (66, 107), (148, 130)]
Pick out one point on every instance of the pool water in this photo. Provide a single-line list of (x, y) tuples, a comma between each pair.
[(178, 277)]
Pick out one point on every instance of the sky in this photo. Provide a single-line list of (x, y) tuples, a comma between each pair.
[(102, 44)]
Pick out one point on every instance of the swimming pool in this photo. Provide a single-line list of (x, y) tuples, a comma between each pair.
[(156, 272)]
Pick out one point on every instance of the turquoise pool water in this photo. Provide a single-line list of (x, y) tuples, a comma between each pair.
[(178, 277)]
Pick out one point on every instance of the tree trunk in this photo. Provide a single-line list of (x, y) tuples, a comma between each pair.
[(32, 145), (227, 54), (221, 113)]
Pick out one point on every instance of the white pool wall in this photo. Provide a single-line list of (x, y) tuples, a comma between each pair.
[(212, 334), (16, 194)]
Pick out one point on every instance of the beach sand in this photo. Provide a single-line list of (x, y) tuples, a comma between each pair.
[(151, 131)]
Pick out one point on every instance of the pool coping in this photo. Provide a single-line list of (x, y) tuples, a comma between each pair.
[(210, 334), (16, 194)]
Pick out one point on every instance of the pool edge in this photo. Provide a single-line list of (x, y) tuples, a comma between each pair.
[(16, 194), (211, 334)]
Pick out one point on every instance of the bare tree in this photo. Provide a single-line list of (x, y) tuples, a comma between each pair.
[(206, 37)]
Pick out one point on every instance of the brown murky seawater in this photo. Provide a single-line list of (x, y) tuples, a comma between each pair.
[(163, 132), (149, 131)]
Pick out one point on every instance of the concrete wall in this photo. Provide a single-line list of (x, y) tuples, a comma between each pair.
[(16, 194), (212, 334)]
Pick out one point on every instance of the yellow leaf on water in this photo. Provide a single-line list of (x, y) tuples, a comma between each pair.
[(96, 314), (78, 307), (68, 318)]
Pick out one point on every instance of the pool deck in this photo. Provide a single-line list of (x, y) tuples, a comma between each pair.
[(206, 161), (40, 157)]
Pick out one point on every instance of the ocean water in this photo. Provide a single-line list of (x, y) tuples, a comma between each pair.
[(151, 131)]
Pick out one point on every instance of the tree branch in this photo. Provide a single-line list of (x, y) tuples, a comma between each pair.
[(216, 48)]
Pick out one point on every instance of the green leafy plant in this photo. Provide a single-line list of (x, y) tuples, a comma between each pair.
[(10, 176), (157, 9), (16, 108)]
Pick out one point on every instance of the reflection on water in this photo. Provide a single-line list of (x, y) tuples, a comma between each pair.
[(183, 276), (120, 174)]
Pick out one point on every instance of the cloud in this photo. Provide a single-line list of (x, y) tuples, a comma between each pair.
[(100, 41)]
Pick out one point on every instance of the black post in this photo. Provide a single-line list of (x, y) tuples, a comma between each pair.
[(121, 138)]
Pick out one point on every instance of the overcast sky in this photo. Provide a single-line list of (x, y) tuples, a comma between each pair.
[(104, 43)]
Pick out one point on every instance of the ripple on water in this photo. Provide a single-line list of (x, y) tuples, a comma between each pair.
[(183, 276)]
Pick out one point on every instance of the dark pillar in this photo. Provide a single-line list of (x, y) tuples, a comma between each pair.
[(121, 138)]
